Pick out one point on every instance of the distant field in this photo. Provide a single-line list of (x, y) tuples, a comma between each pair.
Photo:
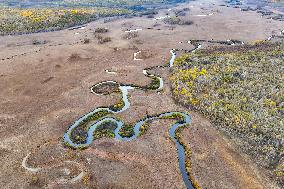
[(18, 20), (30, 16), (95, 3), (241, 89)]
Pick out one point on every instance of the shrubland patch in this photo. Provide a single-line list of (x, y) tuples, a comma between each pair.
[(241, 89), (29, 16), (29, 20)]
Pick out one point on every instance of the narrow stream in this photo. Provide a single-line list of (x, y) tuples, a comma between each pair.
[(185, 120)]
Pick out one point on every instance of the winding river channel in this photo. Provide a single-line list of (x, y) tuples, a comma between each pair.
[(184, 119), (157, 84)]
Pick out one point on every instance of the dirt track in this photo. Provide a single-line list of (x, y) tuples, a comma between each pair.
[(44, 91)]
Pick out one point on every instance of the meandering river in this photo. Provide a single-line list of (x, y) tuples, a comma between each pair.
[(184, 119)]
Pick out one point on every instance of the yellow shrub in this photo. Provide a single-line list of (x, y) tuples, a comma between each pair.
[(26, 13)]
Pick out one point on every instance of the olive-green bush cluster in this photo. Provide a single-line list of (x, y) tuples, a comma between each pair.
[(242, 91), (143, 129), (106, 129), (117, 106), (106, 88), (154, 84), (175, 20), (101, 30), (127, 130), (179, 117), (103, 39), (79, 134)]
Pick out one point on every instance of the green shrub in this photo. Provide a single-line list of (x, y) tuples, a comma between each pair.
[(101, 30), (177, 21)]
